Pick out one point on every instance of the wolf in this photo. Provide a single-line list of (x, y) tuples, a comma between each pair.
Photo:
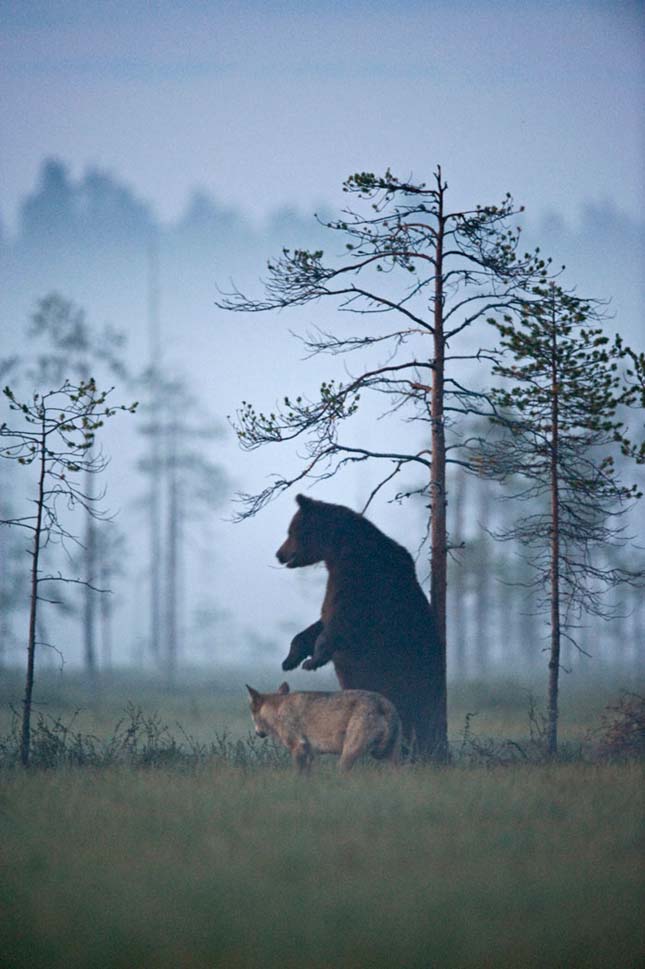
[(350, 723)]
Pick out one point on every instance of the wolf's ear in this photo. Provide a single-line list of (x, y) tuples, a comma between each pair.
[(305, 502), (255, 696), (283, 688)]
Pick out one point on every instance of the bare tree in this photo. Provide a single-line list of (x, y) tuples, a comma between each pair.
[(566, 387), (153, 380), (187, 483), (58, 442), (111, 550), (419, 276), (66, 344)]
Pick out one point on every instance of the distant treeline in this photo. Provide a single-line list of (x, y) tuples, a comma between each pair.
[(99, 210)]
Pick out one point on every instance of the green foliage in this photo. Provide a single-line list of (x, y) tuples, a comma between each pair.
[(406, 233), (59, 438), (336, 402), (562, 411), (68, 416), (558, 356), (562, 428)]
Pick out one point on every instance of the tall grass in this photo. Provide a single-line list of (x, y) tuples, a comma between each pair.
[(242, 868), (135, 843)]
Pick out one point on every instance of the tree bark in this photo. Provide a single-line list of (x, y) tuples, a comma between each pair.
[(172, 562), (457, 584), (554, 659), (106, 614), (482, 604), (439, 560), (25, 740), (89, 605), (156, 457)]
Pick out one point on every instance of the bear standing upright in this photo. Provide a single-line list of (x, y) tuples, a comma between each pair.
[(376, 623)]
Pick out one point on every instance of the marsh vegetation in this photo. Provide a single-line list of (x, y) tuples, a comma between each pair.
[(176, 839)]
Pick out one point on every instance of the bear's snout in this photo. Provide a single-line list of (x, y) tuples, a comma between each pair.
[(284, 555)]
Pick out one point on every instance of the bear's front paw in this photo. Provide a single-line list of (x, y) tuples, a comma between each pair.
[(313, 664), (299, 642)]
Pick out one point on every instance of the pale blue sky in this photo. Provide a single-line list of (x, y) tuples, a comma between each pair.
[(266, 104)]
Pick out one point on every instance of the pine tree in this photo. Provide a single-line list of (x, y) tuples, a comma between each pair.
[(417, 275), (54, 440), (562, 410)]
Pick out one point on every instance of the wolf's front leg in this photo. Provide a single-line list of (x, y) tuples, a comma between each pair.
[(302, 755), (302, 645)]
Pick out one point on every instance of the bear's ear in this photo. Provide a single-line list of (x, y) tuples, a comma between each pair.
[(305, 502), (283, 688)]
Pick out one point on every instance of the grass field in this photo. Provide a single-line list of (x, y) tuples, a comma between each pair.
[(208, 704), (196, 864)]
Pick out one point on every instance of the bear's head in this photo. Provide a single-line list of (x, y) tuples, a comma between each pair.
[(307, 535)]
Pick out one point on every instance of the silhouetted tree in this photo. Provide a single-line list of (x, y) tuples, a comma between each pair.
[(66, 345), (109, 212), (566, 387), (111, 548), (79, 215), (58, 441), (457, 588), (49, 214), (457, 267), (13, 580), (187, 485)]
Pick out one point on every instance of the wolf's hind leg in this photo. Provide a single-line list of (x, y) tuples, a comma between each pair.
[(389, 750), (354, 745)]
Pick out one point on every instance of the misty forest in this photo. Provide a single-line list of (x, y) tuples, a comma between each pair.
[(468, 376), (180, 577)]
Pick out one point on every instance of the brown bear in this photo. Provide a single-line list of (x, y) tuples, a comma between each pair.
[(376, 623)]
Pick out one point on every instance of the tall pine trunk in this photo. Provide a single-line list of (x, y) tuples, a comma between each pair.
[(106, 612), (438, 531), (25, 739), (554, 659), (156, 479), (89, 604), (482, 604), (156, 450), (457, 584), (172, 561)]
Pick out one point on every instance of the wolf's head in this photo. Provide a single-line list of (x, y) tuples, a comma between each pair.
[(261, 711)]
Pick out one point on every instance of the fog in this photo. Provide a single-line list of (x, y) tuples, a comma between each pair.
[(154, 155)]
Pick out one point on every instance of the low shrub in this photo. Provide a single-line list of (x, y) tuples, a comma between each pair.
[(138, 740), (621, 735)]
